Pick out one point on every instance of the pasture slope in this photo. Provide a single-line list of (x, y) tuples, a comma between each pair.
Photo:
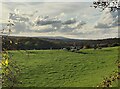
[(59, 68)]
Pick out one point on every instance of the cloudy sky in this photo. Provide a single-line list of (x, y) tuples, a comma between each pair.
[(68, 19)]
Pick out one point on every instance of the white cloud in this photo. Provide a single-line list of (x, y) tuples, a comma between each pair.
[(75, 20), (47, 1), (108, 19)]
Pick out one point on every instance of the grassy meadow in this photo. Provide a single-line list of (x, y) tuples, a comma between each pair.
[(60, 68)]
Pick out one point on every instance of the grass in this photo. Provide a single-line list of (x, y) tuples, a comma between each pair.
[(58, 68)]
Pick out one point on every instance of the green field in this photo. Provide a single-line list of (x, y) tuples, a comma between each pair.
[(59, 68)]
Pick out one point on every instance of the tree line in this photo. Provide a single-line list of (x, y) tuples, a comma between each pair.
[(35, 43)]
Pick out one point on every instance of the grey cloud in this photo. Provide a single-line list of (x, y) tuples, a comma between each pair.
[(21, 27), (66, 29), (101, 25), (57, 25), (80, 24), (71, 21), (47, 22), (116, 16), (17, 17), (45, 30)]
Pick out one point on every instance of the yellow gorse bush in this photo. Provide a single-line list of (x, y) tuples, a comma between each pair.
[(5, 62), (5, 59), (10, 71)]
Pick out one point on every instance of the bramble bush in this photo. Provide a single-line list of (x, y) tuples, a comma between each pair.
[(10, 71)]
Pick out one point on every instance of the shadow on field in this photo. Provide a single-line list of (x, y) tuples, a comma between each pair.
[(106, 50), (83, 52), (33, 52)]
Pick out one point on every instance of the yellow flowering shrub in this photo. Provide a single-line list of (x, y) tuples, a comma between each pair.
[(10, 71)]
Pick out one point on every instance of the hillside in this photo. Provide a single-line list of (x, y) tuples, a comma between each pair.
[(58, 68), (11, 42)]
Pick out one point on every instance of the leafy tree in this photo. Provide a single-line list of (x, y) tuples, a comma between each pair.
[(103, 4)]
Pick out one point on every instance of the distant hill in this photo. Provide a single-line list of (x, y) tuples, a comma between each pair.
[(14, 42), (54, 37)]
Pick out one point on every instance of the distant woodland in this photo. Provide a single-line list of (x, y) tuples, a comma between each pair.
[(37, 43)]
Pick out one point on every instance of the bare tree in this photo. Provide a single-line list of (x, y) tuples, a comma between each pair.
[(8, 29)]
